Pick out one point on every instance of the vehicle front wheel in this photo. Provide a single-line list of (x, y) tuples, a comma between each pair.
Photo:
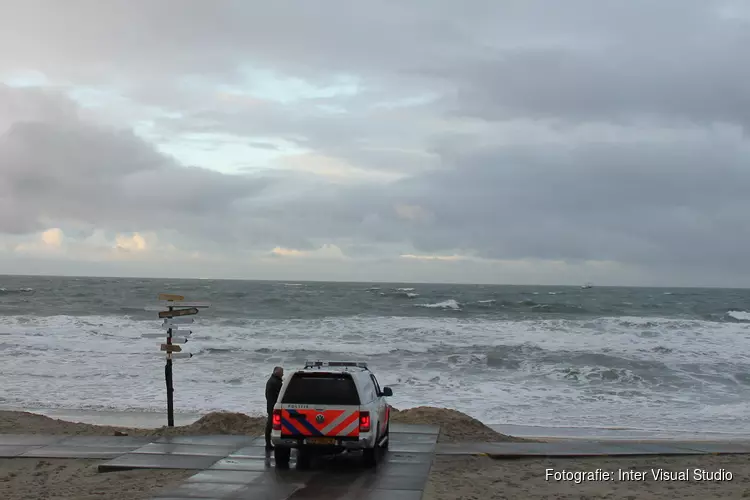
[(281, 455)]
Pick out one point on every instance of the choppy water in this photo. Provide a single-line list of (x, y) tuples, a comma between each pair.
[(674, 359)]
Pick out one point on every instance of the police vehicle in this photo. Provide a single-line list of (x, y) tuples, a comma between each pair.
[(329, 407)]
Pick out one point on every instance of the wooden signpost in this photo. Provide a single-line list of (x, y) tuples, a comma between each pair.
[(170, 297), (176, 314), (173, 313), (171, 322)]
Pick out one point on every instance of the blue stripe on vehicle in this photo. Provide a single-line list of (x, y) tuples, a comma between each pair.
[(305, 423), (289, 427)]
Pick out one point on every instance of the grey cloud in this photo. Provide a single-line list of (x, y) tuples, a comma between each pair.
[(676, 200), (582, 59), (652, 204), (80, 172), (701, 84), (678, 204)]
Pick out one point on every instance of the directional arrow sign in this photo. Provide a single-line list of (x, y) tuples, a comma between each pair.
[(185, 304), (171, 348), (184, 333), (170, 296), (171, 323), (178, 312), (177, 355), (179, 340), (164, 304)]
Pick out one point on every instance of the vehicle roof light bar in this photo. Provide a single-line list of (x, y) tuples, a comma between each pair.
[(330, 364)]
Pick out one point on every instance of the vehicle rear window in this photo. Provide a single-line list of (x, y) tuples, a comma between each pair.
[(322, 389)]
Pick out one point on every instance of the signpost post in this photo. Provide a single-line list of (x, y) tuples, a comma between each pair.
[(172, 318)]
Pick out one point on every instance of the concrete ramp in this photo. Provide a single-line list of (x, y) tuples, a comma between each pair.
[(581, 448), (238, 467), (250, 473)]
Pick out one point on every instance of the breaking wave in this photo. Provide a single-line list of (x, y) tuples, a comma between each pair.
[(739, 315)]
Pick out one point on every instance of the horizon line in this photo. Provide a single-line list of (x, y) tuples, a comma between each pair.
[(368, 282)]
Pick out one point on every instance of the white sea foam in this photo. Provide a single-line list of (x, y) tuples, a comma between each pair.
[(740, 315), (446, 304), (626, 371)]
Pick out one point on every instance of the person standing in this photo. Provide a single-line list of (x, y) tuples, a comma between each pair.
[(273, 388)]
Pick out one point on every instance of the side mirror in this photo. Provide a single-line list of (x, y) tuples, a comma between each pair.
[(387, 392)]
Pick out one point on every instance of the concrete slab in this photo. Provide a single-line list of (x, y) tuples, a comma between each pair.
[(186, 449), (649, 449), (561, 449), (411, 447), (131, 442), (242, 464), (251, 452), (28, 439), (202, 490), (211, 440), (267, 492), (327, 492), (415, 428), (394, 482), (152, 461), (352, 479), (401, 469), (258, 441), (481, 448), (60, 451), (285, 476), (225, 476), (10, 451), (331, 492), (412, 438), (708, 447), (408, 458), (382, 494)]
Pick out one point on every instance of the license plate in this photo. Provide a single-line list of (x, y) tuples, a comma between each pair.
[(321, 440)]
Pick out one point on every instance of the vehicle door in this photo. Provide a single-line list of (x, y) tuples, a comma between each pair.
[(382, 406)]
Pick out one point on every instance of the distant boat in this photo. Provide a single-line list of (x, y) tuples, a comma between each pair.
[(587, 285)]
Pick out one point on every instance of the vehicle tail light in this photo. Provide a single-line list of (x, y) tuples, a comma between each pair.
[(276, 420), (364, 421)]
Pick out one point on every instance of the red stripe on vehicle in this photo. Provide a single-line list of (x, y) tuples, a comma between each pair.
[(346, 423)]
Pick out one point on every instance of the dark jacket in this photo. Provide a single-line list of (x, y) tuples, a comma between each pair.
[(273, 388)]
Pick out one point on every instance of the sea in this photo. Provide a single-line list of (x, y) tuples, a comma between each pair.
[(654, 359)]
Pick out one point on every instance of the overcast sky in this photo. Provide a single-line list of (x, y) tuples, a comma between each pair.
[(477, 141)]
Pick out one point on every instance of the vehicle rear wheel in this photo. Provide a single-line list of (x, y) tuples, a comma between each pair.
[(281, 455), (304, 457), (387, 435), (371, 456)]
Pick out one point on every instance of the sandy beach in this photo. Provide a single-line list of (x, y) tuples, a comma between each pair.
[(452, 478)]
